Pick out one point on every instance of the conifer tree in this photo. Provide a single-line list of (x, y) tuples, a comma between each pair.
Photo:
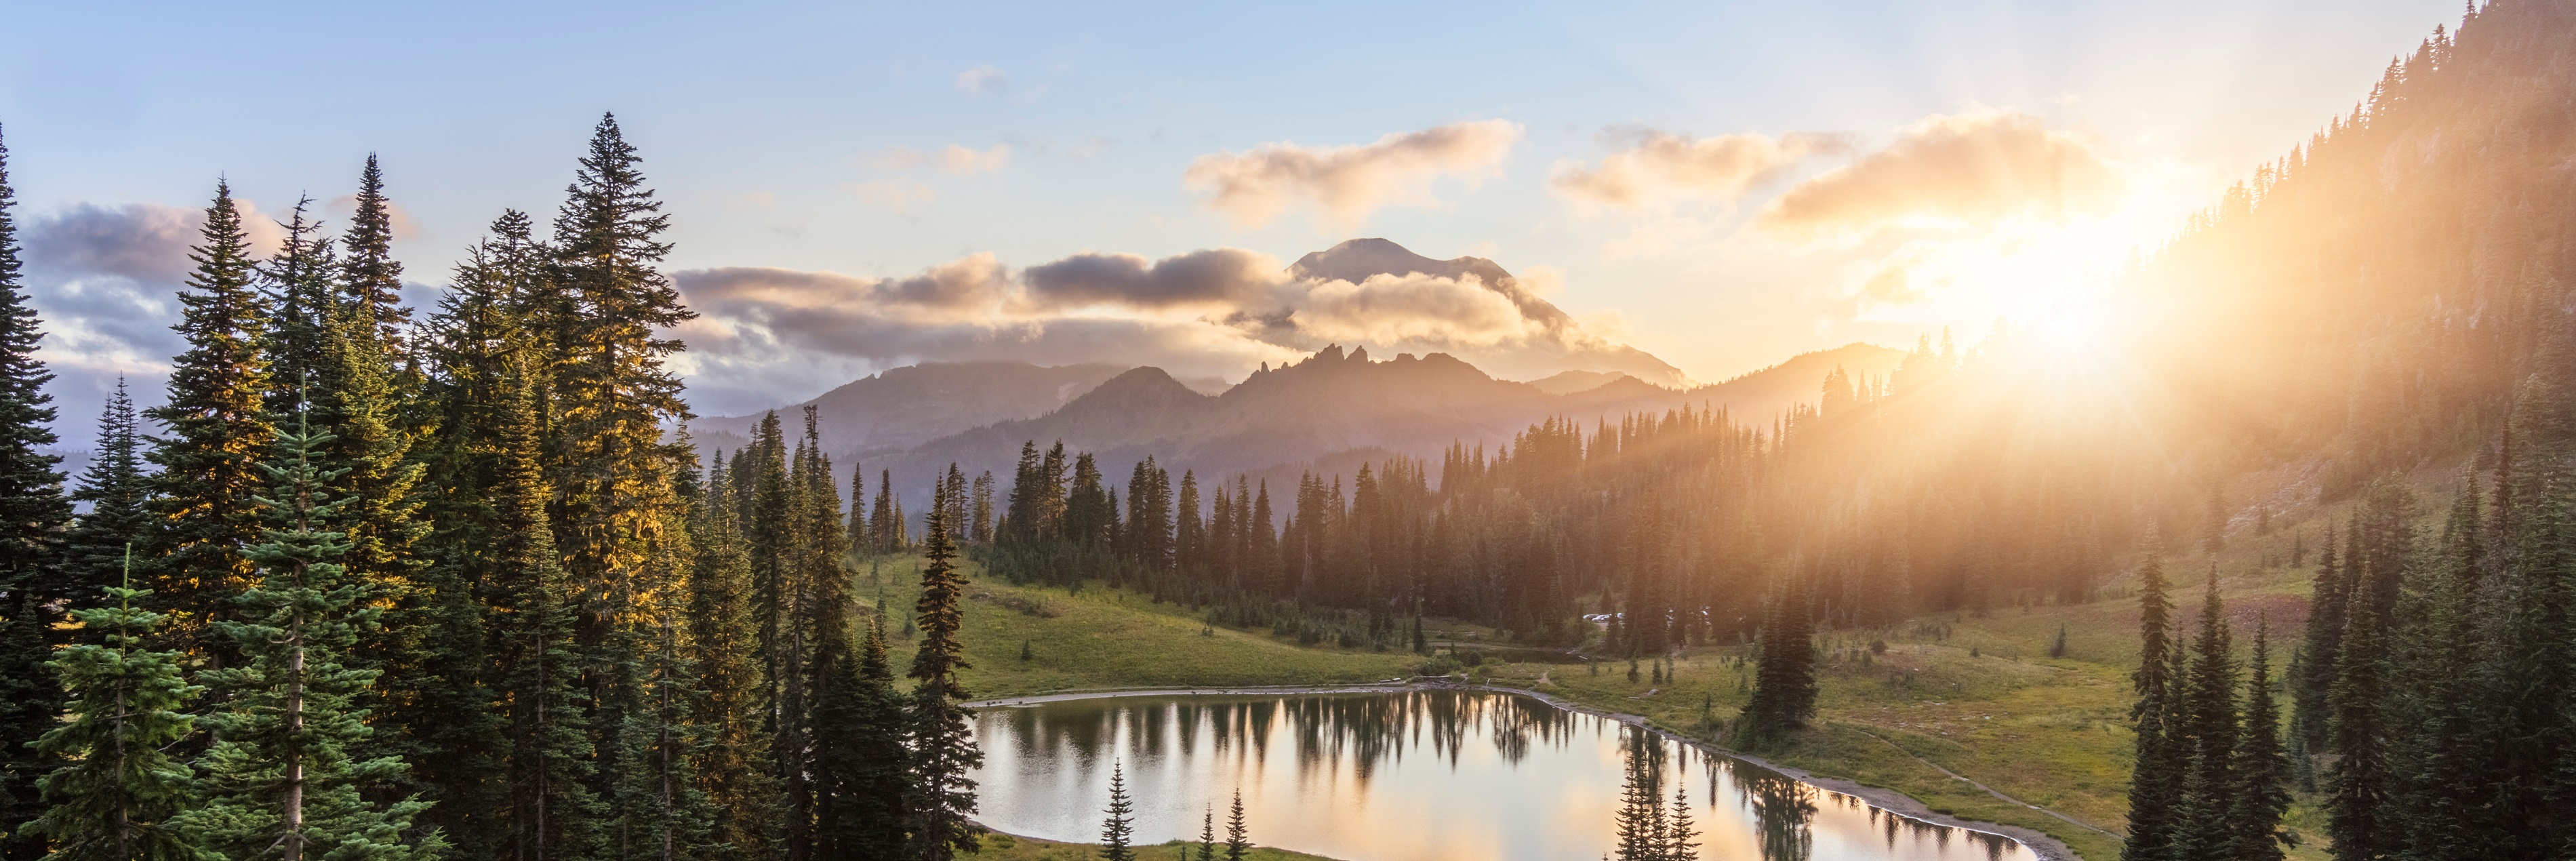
[(554, 815), (301, 288), (1640, 817), (2155, 783), (2262, 773), (2323, 643), (1238, 839), (1120, 824), (1681, 840), (280, 775), (2208, 730), (116, 489), (114, 797), (33, 514), (371, 279), (943, 748), (733, 759), (861, 759), (1207, 834), (219, 429), (1784, 688), (2356, 814)]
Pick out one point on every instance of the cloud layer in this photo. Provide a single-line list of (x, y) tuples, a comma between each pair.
[(1661, 167), (767, 336), (1972, 169), (1342, 185)]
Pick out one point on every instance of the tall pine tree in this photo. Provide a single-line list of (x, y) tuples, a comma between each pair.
[(115, 796), (943, 747)]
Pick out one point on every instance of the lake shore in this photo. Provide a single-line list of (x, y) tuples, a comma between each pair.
[(2040, 844)]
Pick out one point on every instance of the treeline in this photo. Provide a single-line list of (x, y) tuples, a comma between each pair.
[(386, 588), (1962, 482)]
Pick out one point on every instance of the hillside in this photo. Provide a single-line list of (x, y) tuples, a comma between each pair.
[(905, 407)]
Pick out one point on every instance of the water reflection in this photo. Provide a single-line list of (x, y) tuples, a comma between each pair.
[(1416, 776)]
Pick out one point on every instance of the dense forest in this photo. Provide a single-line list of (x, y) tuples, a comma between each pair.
[(386, 587)]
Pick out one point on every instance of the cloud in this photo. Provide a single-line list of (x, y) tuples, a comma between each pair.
[(1970, 169), (1343, 185), (961, 161), (895, 194), (1417, 310), (1226, 277), (1661, 167), (983, 81), (768, 336)]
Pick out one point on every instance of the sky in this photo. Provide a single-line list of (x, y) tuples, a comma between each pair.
[(860, 186)]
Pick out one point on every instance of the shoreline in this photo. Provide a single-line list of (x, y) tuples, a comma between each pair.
[(2039, 843)]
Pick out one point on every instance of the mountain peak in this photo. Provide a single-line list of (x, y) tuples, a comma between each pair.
[(1356, 260)]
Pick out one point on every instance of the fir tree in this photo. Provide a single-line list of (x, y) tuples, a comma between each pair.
[(2324, 641), (861, 759), (1120, 824), (943, 749), (554, 815), (2356, 814), (371, 279), (1784, 689), (33, 514), (300, 286), (1681, 840), (115, 796), (219, 429), (2207, 730), (116, 489), (2262, 773), (733, 759), (1238, 839), (1207, 834), (2155, 783), (280, 774), (1640, 817)]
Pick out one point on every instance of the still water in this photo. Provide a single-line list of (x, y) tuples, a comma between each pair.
[(1412, 776)]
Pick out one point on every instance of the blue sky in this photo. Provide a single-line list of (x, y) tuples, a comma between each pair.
[(809, 138)]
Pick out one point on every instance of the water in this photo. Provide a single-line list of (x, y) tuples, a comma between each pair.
[(1412, 776)]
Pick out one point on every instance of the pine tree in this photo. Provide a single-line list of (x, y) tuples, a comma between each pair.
[(943, 748), (2262, 772), (2309, 717), (33, 514), (371, 279), (2208, 731), (280, 775), (2155, 783), (1118, 827), (116, 489), (219, 429), (733, 761), (1640, 817), (2356, 814), (861, 759), (1784, 688), (1207, 834), (300, 285), (1238, 839), (114, 797), (554, 815), (1681, 840)]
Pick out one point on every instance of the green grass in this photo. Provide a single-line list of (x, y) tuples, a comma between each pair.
[(2048, 731)]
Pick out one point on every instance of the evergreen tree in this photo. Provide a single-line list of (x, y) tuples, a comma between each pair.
[(943, 748), (1118, 827), (116, 489), (301, 287), (861, 759), (280, 775), (219, 429), (1681, 840), (1640, 817), (1238, 839), (1207, 834), (33, 514), (371, 279), (554, 815), (2208, 730), (2356, 814), (2155, 783), (2262, 772), (733, 759), (1784, 688), (2309, 717), (114, 797)]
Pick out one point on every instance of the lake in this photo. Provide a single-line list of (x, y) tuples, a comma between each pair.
[(1413, 776)]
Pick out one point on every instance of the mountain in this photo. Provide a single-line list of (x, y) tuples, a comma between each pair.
[(1570, 382), (905, 407), (1797, 381), (1561, 345)]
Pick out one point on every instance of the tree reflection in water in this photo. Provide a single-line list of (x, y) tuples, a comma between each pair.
[(1423, 775)]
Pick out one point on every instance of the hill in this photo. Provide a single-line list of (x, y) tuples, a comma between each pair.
[(905, 407)]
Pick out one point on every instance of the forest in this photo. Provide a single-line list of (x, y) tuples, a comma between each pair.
[(373, 583)]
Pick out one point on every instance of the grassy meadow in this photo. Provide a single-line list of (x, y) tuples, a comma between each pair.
[(1976, 694)]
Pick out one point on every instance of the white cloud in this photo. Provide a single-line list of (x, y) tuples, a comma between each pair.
[(1343, 185), (1662, 167), (1971, 169), (961, 161)]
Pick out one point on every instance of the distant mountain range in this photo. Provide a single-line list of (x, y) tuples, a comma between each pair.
[(1329, 412), (1564, 345)]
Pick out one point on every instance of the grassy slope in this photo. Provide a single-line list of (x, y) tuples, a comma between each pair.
[(2049, 731), (1003, 847)]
